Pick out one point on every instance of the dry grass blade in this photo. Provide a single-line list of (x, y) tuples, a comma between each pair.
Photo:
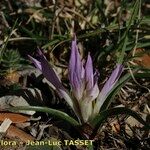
[(14, 132), (15, 118), (5, 125), (142, 58)]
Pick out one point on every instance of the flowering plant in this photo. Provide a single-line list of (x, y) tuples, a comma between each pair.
[(85, 97), (87, 100)]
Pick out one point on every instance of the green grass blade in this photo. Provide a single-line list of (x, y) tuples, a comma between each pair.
[(6, 42), (35, 37), (124, 39), (55, 113), (100, 118)]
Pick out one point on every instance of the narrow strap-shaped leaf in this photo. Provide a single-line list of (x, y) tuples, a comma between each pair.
[(7, 39), (124, 39), (100, 118), (56, 113)]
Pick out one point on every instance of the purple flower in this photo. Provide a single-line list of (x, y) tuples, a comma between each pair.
[(76, 71), (43, 65), (82, 79), (84, 83), (48, 72), (114, 77), (111, 81), (85, 97)]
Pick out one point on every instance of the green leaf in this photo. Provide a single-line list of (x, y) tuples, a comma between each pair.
[(57, 40), (6, 42), (35, 37), (100, 6), (100, 118), (55, 113), (51, 43), (124, 39), (139, 45)]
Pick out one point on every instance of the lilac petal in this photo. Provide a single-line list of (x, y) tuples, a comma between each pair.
[(89, 73), (94, 92), (77, 89), (76, 70), (75, 63), (112, 79), (91, 94), (36, 62), (108, 87), (96, 76), (43, 65), (95, 89)]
